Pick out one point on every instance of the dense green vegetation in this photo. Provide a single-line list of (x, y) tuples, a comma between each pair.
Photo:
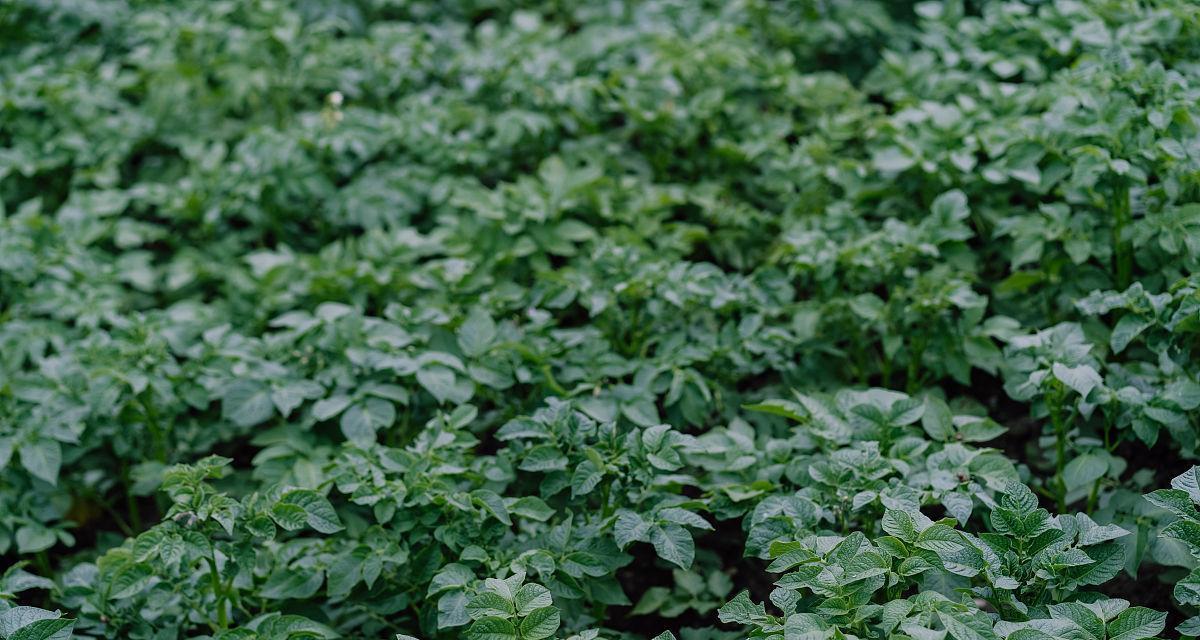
[(794, 319)]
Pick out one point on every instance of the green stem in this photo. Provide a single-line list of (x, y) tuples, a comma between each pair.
[(913, 383), (886, 372), (1093, 496), (218, 592), (135, 516), (112, 512), (43, 564), (606, 509), (552, 383), (1060, 450), (157, 435), (1122, 250), (860, 362)]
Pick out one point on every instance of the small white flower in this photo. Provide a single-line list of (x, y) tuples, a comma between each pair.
[(336, 99)]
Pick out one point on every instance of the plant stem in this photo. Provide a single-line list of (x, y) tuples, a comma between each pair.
[(606, 508), (552, 383), (157, 435), (218, 592), (913, 383), (1060, 448), (1122, 251), (1093, 496), (135, 517)]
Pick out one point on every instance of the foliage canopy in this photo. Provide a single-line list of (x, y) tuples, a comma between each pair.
[(793, 319)]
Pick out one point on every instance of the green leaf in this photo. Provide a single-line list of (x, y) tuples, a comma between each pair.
[(493, 504), (1174, 500), (784, 408), (128, 581), (450, 577), (444, 385), (42, 458), (452, 610), (33, 538), (1084, 470), (965, 627), (533, 508), (291, 517), (937, 419), (684, 517), (892, 160), (1127, 329), (1137, 623), (1081, 378), (247, 403), (1187, 531), (290, 584), (286, 627), (674, 544), (1189, 627), (319, 514), (56, 629), (492, 628), (531, 596), (477, 333), (630, 527), (803, 625), (585, 478), (1108, 560), (364, 418), (652, 600), (489, 604), (540, 624), (1091, 533), (1083, 618), (330, 407), (1188, 482), (20, 617), (742, 610)]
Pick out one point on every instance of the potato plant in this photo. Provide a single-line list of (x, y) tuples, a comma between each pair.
[(786, 319)]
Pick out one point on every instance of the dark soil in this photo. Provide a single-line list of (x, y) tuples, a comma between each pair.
[(646, 570)]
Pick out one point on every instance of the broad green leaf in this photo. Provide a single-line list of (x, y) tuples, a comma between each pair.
[(1137, 623), (937, 419), (329, 407), (531, 596), (489, 604), (684, 517), (33, 538), (56, 629), (363, 419), (492, 628), (42, 458), (477, 333), (1189, 482), (742, 610), (539, 624), (1082, 378), (493, 504), (965, 627), (629, 528), (247, 403), (1083, 619), (1083, 470), (1126, 330), (531, 507), (452, 610), (319, 514), (674, 544), (19, 617)]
